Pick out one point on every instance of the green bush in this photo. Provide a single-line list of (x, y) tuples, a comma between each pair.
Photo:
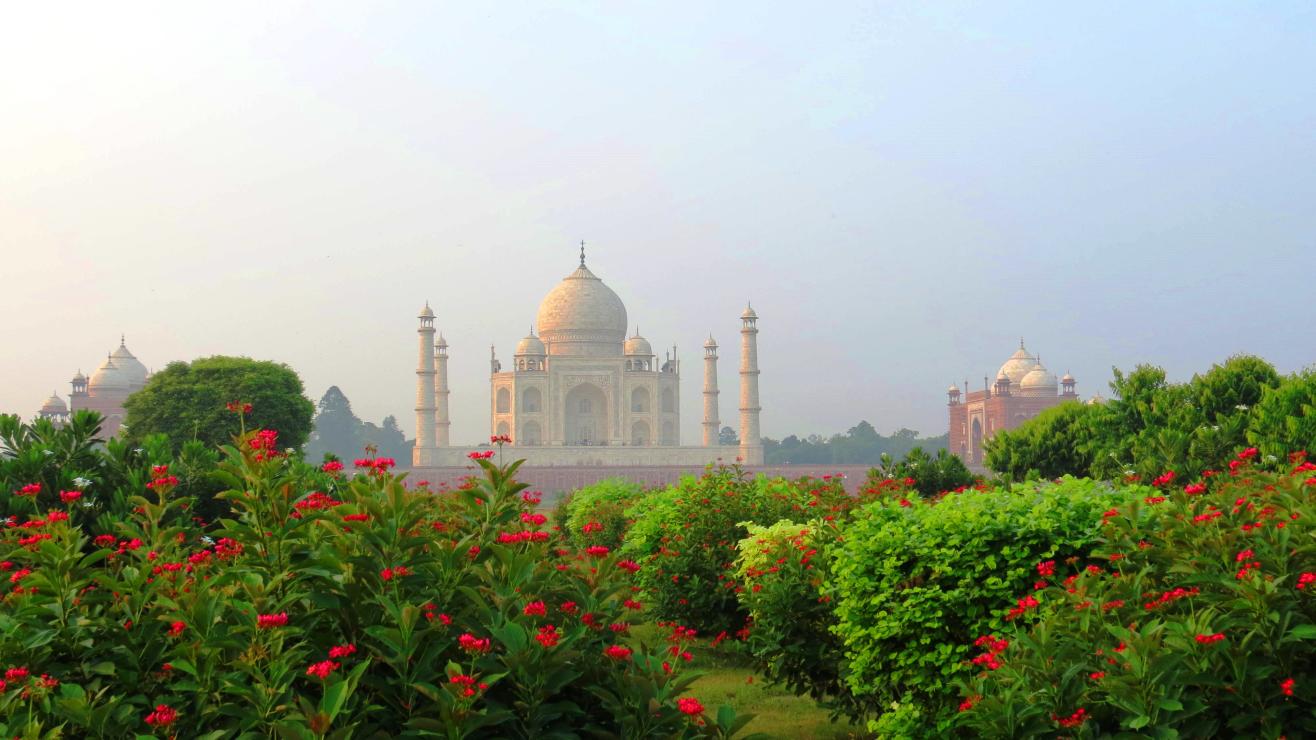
[(1195, 617), (685, 539), (596, 514), (929, 475), (781, 569), (914, 585)]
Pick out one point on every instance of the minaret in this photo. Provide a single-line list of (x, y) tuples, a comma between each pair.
[(441, 394), (423, 452), (711, 422), (751, 441)]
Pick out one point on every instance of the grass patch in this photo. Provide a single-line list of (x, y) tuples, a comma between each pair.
[(729, 679)]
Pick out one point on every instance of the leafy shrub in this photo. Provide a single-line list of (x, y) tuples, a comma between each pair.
[(1194, 618), (325, 606), (927, 474), (781, 569), (596, 514), (915, 584), (685, 539)]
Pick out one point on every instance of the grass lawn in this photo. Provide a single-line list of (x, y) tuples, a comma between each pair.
[(728, 679)]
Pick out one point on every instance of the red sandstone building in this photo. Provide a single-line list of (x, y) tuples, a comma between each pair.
[(1023, 389), (106, 391)]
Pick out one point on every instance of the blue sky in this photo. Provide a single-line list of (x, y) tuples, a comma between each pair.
[(903, 189)]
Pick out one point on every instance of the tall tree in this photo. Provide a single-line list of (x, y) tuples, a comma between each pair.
[(336, 429), (187, 401)]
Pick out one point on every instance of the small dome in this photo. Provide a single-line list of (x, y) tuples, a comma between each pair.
[(79, 377), (749, 313), (710, 344), (134, 372), (108, 377), (54, 405), (582, 316), (953, 389), (426, 312), (637, 345), (1018, 365), (442, 342), (1067, 378), (530, 346), (1039, 380)]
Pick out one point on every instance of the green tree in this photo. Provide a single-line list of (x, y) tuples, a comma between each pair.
[(727, 437), (336, 430), (388, 439), (187, 401), (1055, 443), (1284, 420)]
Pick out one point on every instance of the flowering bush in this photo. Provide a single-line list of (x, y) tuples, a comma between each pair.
[(325, 605), (684, 539), (913, 585), (1193, 617), (596, 514), (782, 568)]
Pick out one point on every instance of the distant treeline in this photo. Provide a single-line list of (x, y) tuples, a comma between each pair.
[(860, 445)]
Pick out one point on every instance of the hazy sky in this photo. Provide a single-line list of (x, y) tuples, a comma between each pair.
[(902, 189)]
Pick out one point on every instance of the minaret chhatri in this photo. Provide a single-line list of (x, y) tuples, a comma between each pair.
[(711, 422), (422, 455), (751, 441), (442, 423)]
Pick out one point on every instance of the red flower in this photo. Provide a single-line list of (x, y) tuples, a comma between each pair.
[(322, 669), (1194, 488), (472, 644), (618, 653), (1248, 454), (535, 609), (480, 455), (1306, 579), (597, 551), (333, 466), (1286, 686), (690, 705), (162, 716), (177, 628), (1046, 568), (968, 703), (16, 674), (629, 565), (69, 497), (1097, 676), (389, 574), (548, 636), (270, 621), (30, 489), (1210, 639), (1164, 478), (1073, 720)]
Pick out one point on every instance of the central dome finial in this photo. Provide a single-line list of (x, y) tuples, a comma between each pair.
[(582, 252)]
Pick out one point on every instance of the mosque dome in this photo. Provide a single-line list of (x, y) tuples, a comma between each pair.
[(711, 343), (54, 406), (1038, 381), (1067, 378), (108, 377), (582, 316), (79, 378), (134, 372), (749, 313), (1020, 364), (530, 346), (637, 345), (426, 312), (953, 389)]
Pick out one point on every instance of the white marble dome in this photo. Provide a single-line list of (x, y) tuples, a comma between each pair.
[(582, 316), (1020, 364), (637, 345), (1039, 381), (54, 405), (530, 346), (134, 372), (108, 377)]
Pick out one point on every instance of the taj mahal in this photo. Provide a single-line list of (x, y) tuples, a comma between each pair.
[(580, 392)]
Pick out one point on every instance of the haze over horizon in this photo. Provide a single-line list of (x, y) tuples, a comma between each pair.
[(902, 190)]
